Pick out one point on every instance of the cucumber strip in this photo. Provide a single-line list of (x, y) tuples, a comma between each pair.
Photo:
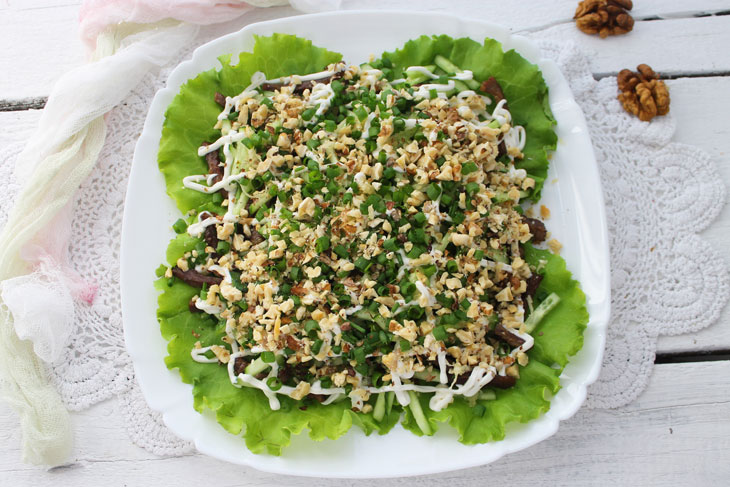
[(497, 255), (418, 415), (379, 409), (414, 77), (389, 398), (452, 68), (427, 375), (260, 202), (446, 64), (543, 309), (256, 367), (444, 242), (487, 395), (460, 86)]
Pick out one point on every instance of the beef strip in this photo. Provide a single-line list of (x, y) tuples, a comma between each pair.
[(304, 85), (192, 307), (537, 229), (533, 282), (211, 236), (220, 99), (195, 278), (503, 381), (292, 342), (501, 149), (491, 87), (214, 167), (255, 237), (507, 336), (239, 365)]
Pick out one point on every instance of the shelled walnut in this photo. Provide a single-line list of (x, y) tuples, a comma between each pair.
[(604, 17), (643, 94)]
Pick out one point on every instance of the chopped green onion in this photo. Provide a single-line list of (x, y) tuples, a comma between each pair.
[(439, 333), (433, 191), (341, 251), (311, 325), (268, 357), (468, 168), (223, 247), (274, 383), (362, 264), (322, 244), (180, 226), (391, 245)]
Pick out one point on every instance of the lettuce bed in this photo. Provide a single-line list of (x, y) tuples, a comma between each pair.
[(188, 123)]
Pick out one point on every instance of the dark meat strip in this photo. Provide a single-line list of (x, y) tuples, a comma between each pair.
[(255, 237), (192, 307), (292, 342), (501, 149), (537, 229), (210, 235), (304, 85), (239, 365), (491, 87), (195, 278), (214, 165), (507, 336), (533, 282), (503, 381), (220, 99)]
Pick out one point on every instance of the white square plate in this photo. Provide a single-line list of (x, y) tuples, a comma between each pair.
[(572, 192)]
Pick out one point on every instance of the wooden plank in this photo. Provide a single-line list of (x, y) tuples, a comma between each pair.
[(43, 36), (538, 14), (41, 44), (677, 431), (699, 106), (697, 46)]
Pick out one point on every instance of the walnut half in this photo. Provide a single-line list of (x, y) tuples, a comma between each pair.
[(642, 93), (604, 17)]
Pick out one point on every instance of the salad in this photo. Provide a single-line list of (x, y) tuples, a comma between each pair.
[(355, 246)]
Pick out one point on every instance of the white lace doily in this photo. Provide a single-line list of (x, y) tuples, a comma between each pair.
[(658, 196)]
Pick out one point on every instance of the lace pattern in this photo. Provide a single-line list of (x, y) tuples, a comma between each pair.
[(658, 196)]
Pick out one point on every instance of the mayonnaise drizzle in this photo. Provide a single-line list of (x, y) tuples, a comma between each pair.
[(196, 229), (211, 309), (198, 354)]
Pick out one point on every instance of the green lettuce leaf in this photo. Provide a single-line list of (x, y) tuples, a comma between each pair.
[(522, 84), (188, 123), (190, 118)]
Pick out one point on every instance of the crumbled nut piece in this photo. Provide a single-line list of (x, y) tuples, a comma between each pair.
[(554, 246), (301, 390)]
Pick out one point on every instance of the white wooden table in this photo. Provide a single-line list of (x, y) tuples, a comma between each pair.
[(676, 433)]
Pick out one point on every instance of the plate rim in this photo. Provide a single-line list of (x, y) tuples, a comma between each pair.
[(151, 133)]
